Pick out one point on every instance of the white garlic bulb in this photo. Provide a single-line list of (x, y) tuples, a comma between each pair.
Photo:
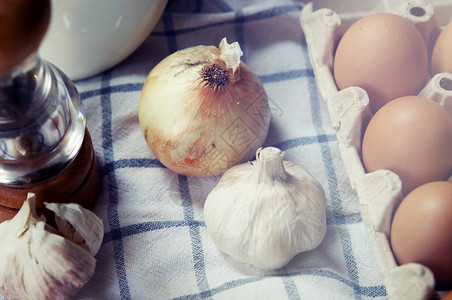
[(265, 212), (36, 262)]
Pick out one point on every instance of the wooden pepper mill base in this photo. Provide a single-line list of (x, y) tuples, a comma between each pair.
[(79, 183)]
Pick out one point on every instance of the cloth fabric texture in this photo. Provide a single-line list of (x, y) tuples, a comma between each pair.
[(156, 244)]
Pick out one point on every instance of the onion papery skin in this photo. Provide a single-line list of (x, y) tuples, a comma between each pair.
[(195, 128)]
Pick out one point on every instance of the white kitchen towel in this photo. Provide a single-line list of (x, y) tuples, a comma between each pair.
[(156, 245)]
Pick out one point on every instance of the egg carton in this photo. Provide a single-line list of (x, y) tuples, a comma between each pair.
[(323, 23)]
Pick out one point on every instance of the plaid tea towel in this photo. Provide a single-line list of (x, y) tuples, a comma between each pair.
[(156, 245)]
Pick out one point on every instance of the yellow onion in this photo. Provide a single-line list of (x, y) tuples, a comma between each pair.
[(203, 111)]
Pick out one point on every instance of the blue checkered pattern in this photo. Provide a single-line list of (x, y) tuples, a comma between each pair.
[(156, 245)]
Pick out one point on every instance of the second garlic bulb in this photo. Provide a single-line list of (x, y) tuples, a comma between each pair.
[(265, 212), (38, 261)]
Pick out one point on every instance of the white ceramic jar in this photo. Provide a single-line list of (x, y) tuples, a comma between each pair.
[(86, 37)]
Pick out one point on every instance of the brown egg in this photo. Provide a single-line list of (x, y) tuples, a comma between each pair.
[(412, 137), (421, 230), (385, 55), (448, 296), (442, 52)]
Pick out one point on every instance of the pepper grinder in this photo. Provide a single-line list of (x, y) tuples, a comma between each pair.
[(45, 147)]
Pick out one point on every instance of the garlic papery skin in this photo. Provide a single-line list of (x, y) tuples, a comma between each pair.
[(38, 263), (78, 225), (265, 212), (202, 110)]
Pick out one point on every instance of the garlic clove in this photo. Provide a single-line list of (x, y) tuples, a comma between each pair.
[(58, 267), (36, 263), (265, 212), (88, 227)]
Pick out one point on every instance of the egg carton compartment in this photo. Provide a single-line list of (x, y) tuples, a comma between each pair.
[(323, 23), (351, 10)]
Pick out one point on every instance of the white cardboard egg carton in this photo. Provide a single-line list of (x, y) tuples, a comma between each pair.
[(323, 23)]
